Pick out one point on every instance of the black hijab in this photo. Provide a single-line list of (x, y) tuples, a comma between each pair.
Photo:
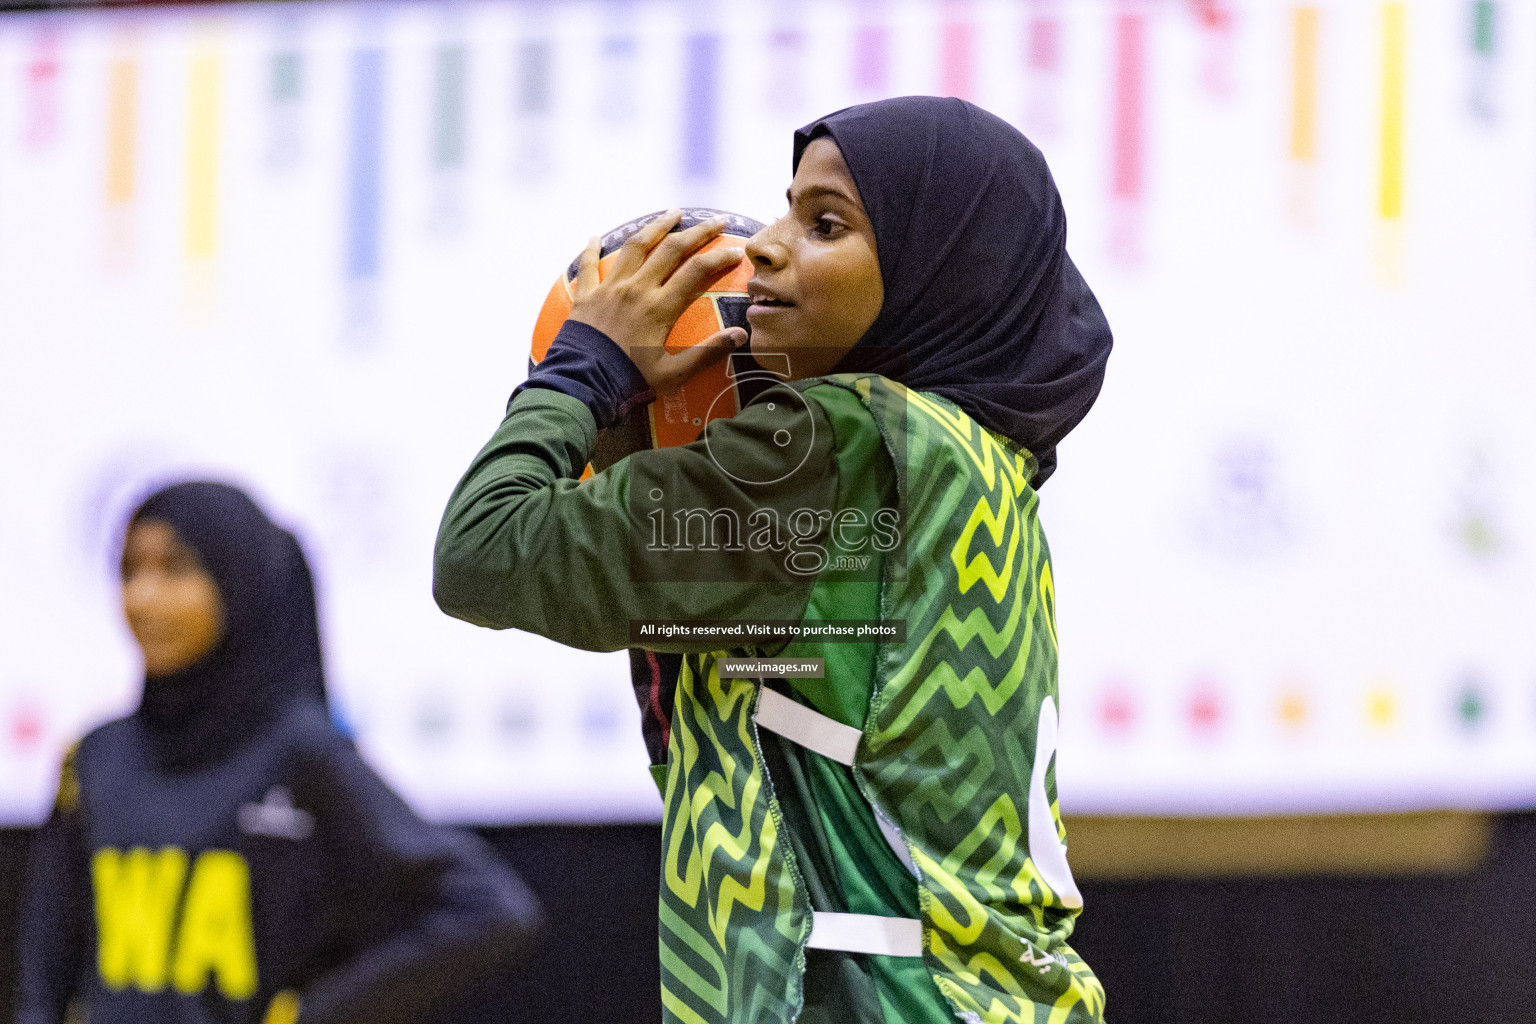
[(982, 304), (269, 655)]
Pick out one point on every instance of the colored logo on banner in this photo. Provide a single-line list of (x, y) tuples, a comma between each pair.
[(25, 728), (1471, 704), (1245, 510), (1293, 708), (1381, 706), (1118, 711), (1206, 709), (517, 723), (1478, 487)]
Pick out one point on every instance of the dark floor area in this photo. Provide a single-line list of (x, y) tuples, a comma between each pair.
[(1298, 951)]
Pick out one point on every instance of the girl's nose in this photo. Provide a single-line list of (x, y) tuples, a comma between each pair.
[(764, 249)]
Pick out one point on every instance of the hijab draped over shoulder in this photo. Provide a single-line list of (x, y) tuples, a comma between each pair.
[(269, 654), (982, 304)]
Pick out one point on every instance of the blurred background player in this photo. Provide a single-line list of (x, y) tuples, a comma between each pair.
[(223, 853)]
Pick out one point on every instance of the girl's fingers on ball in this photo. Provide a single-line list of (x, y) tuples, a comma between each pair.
[(683, 365), (692, 278), (586, 267), (700, 234), (677, 246), (633, 252)]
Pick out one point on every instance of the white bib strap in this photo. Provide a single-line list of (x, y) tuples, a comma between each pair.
[(866, 933), (810, 729)]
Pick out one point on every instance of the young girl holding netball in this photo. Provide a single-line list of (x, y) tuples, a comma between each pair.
[(881, 842)]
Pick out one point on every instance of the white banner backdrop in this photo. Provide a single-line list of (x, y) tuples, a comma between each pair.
[(301, 247)]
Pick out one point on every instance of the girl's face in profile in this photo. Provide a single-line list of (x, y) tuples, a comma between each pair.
[(172, 605), (816, 288)]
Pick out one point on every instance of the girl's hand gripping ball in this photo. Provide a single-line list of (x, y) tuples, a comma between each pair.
[(671, 291)]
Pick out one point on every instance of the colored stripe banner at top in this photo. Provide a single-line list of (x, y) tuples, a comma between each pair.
[(42, 117), (535, 101), (786, 54), (1394, 73), (448, 106), (365, 165), (1212, 14), (1482, 97), (1485, 21), (286, 84), (1042, 43), (1042, 64), (957, 65), (619, 53), (534, 79), (1129, 120), (285, 95), (1304, 29), (701, 73), (202, 156), (122, 129), (1218, 23), (871, 45)]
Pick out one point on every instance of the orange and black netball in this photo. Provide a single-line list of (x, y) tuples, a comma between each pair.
[(678, 417)]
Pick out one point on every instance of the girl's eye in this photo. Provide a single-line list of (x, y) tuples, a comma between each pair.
[(825, 227)]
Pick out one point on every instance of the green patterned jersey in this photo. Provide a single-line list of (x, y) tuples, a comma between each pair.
[(958, 741)]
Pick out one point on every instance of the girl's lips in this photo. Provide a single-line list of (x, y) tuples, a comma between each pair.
[(761, 308)]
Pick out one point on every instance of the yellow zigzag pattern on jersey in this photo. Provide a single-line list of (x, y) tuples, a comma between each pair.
[(953, 771), (995, 932), (1004, 476), (717, 963)]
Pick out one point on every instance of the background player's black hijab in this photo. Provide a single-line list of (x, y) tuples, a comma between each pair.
[(982, 304), (269, 655)]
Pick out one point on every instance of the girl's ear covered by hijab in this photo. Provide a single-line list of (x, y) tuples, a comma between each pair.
[(269, 655), (982, 304)]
